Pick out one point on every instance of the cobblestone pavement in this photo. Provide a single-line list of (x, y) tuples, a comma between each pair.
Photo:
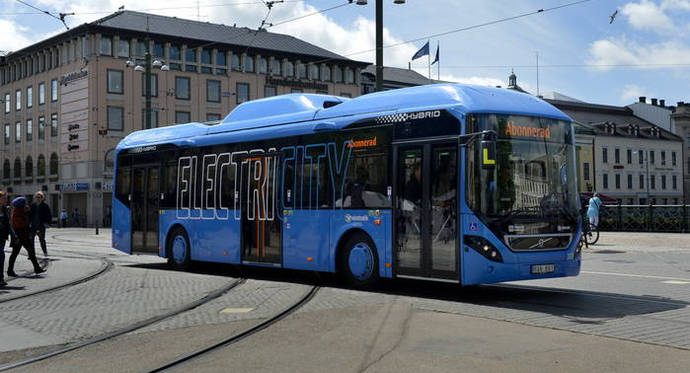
[(632, 287)]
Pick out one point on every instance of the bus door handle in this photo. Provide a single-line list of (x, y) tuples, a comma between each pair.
[(323, 126)]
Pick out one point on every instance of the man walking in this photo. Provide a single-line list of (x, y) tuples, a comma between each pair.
[(20, 225), (63, 218), (41, 217), (5, 231)]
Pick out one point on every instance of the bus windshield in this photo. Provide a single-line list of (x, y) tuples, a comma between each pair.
[(532, 188)]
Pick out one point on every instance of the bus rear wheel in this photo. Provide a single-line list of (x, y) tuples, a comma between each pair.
[(358, 262), (179, 251)]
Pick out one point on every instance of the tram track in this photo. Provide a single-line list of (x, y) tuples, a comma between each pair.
[(237, 337), (128, 329)]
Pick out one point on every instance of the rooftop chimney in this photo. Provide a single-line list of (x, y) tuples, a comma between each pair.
[(654, 102), (662, 103), (681, 103), (643, 99)]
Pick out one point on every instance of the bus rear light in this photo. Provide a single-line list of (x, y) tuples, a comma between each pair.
[(483, 247), (377, 221), (310, 259)]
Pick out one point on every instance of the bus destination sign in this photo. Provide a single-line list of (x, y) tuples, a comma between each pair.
[(514, 130)]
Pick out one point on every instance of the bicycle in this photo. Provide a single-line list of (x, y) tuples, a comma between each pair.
[(590, 233)]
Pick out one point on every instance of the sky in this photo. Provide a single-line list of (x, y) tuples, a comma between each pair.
[(644, 51)]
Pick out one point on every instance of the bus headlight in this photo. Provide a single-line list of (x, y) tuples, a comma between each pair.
[(484, 247)]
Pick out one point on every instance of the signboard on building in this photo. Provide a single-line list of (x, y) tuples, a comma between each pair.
[(74, 187), (74, 116), (296, 83)]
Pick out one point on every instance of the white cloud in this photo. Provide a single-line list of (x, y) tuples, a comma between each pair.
[(620, 51), (647, 15), (676, 4), (17, 39), (631, 92)]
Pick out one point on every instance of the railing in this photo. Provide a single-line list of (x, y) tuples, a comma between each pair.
[(645, 218)]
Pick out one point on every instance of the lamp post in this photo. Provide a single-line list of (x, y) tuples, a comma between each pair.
[(147, 70), (379, 40)]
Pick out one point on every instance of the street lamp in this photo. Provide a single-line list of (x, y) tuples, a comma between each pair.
[(641, 154), (379, 39), (146, 69)]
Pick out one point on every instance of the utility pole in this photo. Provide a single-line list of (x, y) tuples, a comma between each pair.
[(379, 45), (147, 77)]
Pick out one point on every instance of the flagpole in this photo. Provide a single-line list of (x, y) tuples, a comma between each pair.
[(438, 61), (429, 62)]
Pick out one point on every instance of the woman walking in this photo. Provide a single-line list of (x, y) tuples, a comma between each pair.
[(5, 231), (20, 225)]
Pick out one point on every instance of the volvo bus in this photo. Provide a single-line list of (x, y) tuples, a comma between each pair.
[(444, 182)]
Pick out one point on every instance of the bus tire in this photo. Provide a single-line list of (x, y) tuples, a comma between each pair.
[(179, 250), (358, 261)]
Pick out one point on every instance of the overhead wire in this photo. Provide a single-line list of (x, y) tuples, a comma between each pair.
[(60, 16)]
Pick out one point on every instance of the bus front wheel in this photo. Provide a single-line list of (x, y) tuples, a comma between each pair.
[(179, 249), (358, 262)]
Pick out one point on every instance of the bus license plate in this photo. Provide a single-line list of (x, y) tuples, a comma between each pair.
[(540, 269)]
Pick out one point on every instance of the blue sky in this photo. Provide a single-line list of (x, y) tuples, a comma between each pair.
[(646, 49)]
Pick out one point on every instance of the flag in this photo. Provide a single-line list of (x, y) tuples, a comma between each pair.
[(422, 52), (438, 47)]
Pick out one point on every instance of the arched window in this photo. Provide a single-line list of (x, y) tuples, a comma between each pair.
[(41, 166), (337, 74), (263, 65), (6, 169), (235, 62), (275, 68), (109, 161), (249, 64), (17, 168), (54, 164), (326, 73), (349, 76), (314, 72), (289, 69), (29, 167), (301, 71)]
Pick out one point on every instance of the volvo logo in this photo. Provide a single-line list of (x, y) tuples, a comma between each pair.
[(540, 244)]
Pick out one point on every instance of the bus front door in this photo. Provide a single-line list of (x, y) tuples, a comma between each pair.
[(426, 211), (145, 198), (261, 228)]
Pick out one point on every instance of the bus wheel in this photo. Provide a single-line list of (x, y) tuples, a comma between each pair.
[(178, 249), (358, 261)]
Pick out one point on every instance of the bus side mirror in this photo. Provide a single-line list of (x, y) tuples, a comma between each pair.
[(488, 154)]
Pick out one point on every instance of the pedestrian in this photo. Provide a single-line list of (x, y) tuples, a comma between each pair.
[(75, 217), (63, 218), (41, 217), (5, 232), (20, 222), (593, 210)]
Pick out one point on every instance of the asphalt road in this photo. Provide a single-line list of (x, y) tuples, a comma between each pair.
[(627, 312)]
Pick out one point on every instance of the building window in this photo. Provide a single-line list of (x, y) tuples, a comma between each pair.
[(640, 156), (116, 81), (182, 88), (183, 117), (8, 103), (41, 166), (116, 118), (617, 155), (301, 71), (249, 64), (641, 181), (41, 128), (606, 181), (142, 47), (663, 158), (18, 132), (629, 154), (211, 117), (18, 100), (175, 53), (154, 85), (296, 90), (29, 167), (314, 72), (289, 69), (7, 134), (123, 48), (29, 130), (674, 181), (652, 181), (585, 171), (53, 125), (158, 50), (190, 68), (345, 94), (663, 182), (221, 58), (275, 68), (53, 90), (206, 56), (17, 168), (30, 97), (106, 46), (213, 90), (605, 155), (109, 162), (326, 73), (206, 70), (651, 156), (154, 119), (630, 181), (263, 65), (53, 164), (337, 74), (221, 72), (673, 158), (269, 91), (41, 93), (190, 55), (349, 76), (235, 62), (242, 92)]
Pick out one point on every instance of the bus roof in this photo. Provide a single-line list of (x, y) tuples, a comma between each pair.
[(296, 111)]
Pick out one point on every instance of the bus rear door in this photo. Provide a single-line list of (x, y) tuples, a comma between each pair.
[(145, 206), (426, 210)]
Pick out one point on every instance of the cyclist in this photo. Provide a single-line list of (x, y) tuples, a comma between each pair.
[(593, 210)]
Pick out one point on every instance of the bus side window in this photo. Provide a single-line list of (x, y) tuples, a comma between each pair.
[(366, 182), (169, 186), (123, 183)]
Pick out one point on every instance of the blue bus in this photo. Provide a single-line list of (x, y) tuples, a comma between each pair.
[(444, 182)]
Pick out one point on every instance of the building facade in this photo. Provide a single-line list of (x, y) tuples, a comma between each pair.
[(68, 100), (681, 122)]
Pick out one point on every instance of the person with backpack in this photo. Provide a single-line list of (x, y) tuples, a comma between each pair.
[(593, 210), (41, 216), (21, 222), (5, 232)]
